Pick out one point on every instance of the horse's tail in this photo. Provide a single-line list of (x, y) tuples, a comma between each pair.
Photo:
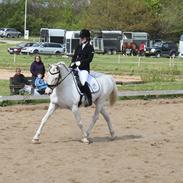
[(114, 94)]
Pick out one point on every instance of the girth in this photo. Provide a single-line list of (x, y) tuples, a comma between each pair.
[(78, 82)]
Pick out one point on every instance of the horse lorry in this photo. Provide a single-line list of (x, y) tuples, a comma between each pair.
[(107, 41), (132, 41), (52, 35), (71, 42)]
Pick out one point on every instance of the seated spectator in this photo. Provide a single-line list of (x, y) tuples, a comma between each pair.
[(37, 67), (19, 81), (40, 84)]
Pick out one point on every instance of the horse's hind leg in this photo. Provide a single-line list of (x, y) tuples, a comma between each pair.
[(94, 118), (107, 118), (51, 109)]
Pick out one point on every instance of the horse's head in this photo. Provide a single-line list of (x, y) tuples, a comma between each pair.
[(53, 78)]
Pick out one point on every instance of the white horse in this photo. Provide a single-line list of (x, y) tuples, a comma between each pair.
[(65, 94)]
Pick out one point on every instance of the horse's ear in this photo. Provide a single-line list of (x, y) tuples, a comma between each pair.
[(57, 67)]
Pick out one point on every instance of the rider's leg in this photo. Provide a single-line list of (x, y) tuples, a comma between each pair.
[(88, 95), (83, 75)]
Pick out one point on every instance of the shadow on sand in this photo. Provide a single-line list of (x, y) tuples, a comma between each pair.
[(118, 138), (106, 139)]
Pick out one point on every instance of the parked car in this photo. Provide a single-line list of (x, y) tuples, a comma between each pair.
[(10, 32), (1, 32), (47, 48), (17, 49), (26, 50), (165, 49)]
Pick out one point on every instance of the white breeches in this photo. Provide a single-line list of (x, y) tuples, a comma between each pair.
[(83, 76)]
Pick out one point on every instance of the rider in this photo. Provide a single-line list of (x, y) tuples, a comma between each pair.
[(82, 57)]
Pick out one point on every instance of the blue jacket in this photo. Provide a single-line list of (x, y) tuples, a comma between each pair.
[(40, 84)]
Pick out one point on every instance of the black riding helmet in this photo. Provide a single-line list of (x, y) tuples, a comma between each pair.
[(84, 33)]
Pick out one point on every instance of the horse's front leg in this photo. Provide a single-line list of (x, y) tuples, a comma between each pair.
[(76, 112), (51, 109)]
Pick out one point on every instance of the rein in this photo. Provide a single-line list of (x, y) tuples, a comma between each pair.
[(59, 82)]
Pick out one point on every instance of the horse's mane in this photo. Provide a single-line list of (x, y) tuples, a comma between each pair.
[(63, 64)]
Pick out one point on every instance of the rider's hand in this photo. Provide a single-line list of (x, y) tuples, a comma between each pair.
[(72, 64), (78, 63)]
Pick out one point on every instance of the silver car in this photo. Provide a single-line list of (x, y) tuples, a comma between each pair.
[(29, 49), (1, 32), (10, 32), (47, 48)]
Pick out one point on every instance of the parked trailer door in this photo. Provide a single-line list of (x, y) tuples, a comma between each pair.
[(98, 44), (181, 46), (71, 42)]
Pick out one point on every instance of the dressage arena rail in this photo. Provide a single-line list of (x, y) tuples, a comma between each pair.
[(120, 94)]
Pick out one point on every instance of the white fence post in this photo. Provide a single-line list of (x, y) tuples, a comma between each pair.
[(119, 59), (139, 61), (14, 58)]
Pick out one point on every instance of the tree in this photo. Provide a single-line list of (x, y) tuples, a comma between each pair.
[(171, 19), (12, 14), (119, 14)]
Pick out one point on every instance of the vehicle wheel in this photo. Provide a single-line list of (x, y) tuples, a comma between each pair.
[(114, 52), (158, 54), (109, 52), (36, 52), (8, 35), (57, 53), (172, 55)]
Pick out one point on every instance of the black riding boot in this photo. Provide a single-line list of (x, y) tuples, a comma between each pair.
[(87, 94)]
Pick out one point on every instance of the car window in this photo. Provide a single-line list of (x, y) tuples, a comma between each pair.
[(172, 45), (21, 44), (56, 46), (45, 45), (165, 45), (29, 44), (36, 45), (52, 45), (49, 45), (158, 44)]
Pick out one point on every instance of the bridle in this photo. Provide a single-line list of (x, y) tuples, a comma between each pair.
[(59, 80)]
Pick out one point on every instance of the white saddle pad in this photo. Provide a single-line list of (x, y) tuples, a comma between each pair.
[(93, 84)]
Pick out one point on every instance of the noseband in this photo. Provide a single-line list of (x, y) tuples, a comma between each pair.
[(59, 80)]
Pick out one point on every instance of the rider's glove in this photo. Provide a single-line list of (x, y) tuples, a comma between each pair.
[(78, 63), (72, 65)]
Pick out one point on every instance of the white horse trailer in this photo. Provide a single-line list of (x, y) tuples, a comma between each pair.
[(52, 35), (107, 41), (136, 37), (71, 41), (181, 46)]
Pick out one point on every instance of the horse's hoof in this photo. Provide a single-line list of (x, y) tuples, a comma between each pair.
[(113, 137), (36, 141), (85, 141)]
